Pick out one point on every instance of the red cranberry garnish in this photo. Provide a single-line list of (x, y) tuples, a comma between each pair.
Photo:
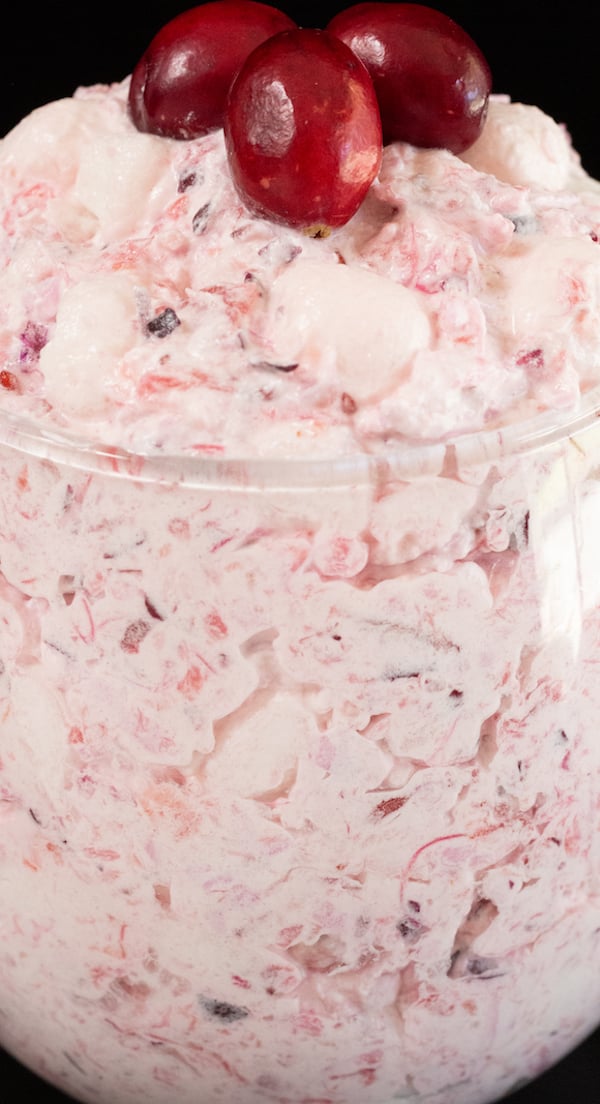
[(303, 130), (179, 86), (431, 79)]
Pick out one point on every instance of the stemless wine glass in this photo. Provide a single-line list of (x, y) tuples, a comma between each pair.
[(299, 768)]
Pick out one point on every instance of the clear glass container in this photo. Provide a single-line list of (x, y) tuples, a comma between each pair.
[(299, 768)]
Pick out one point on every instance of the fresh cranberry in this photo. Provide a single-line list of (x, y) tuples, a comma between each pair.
[(303, 130), (431, 79), (179, 86)]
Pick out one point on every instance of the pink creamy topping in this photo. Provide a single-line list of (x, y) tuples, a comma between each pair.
[(174, 321)]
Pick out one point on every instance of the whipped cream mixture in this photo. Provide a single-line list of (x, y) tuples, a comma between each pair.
[(142, 306), (299, 788)]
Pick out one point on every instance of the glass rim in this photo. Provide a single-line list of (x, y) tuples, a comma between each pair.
[(412, 458)]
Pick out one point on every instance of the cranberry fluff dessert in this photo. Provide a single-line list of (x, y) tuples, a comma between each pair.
[(299, 596)]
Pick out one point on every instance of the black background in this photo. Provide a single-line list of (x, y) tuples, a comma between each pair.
[(538, 54)]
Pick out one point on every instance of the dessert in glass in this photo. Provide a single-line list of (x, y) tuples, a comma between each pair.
[(299, 618)]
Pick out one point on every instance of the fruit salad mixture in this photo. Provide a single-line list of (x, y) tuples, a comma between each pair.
[(269, 267), (299, 601)]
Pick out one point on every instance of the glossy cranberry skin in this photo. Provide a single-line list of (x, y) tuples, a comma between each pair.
[(180, 84), (303, 131), (432, 81)]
